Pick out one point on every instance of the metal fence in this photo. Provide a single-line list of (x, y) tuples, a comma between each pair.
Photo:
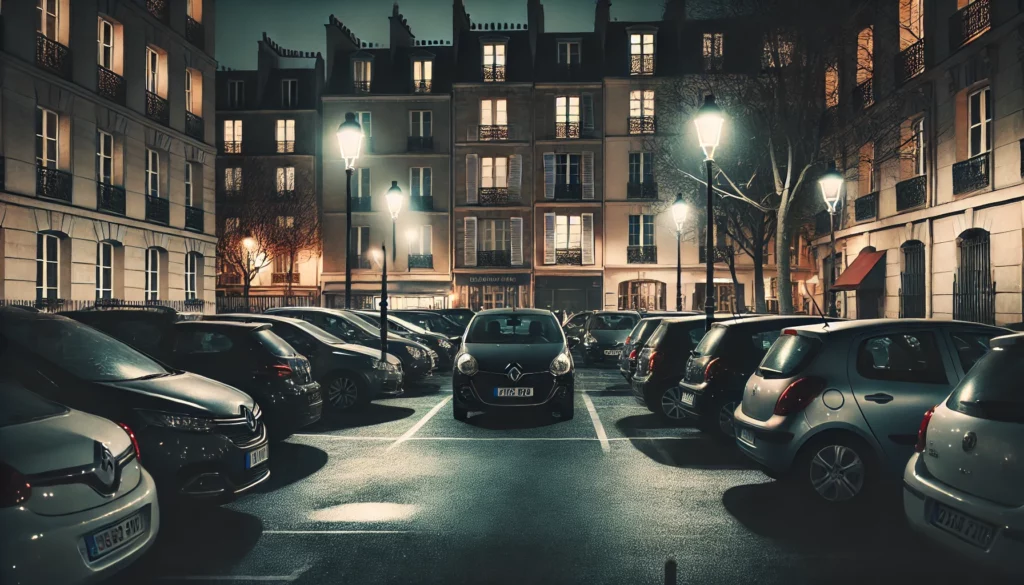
[(260, 303), (57, 305), (974, 291)]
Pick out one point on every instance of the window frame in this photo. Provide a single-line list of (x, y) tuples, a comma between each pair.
[(424, 234), (45, 25), (564, 103), (920, 144), (567, 58), (104, 158), (235, 135), (104, 269), (189, 195), (365, 119), (567, 222), (152, 274), (491, 162), (152, 173), (283, 129), (645, 161), (105, 50), (420, 177), (638, 45), (152, 71), (362, 71), (232, 179), (493, 111), (236, 93), (713, 50), (188, 91), (421, 121), (43, 263), (645, 226), (564, 162), (641, 98), (984, 124), (495, 57), (491, 235), (289, 93), (362, 233), (47, 119), (425, 69), (358, 191)]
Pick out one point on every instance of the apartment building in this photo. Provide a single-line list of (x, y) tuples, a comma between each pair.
[(108, 162)]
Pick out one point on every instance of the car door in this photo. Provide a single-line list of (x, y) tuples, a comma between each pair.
[(896, 375)]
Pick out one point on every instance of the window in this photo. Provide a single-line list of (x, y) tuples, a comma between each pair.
[(285, 179), (104, 157), (188, 184), (778, 52), (193, 260), (496, 235), (47, 266), (152, 70), (641, 103), (568, 232), (569, 52), (152, 274), (493, 112), (286, 136), (152, 173), (713, 45), (362, 185), (105, 44), (104, 270), (289, 93), (365, 122), (420, 241), (567, 116), (362, 74), (641, 230), (911, 22), (494, 172), (641, 54), (420, 123), (422, 75), (867, 173), (362, 235), (641, 167), (283, 264), (419, 181), (233, 179), (970, 347), (188, 91), (918, 145), (831, 84), (46, 138), (902, 357), (979, 106), (236, 93), (567, 169), (494, 62), (285, 221), (48, 18), (232, 136), (865, 54)]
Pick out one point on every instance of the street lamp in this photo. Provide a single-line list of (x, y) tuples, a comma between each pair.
[(831, 184), (410, 236), (679, 212), (350, 142), (709, 123), (383, 304), (394, 198)]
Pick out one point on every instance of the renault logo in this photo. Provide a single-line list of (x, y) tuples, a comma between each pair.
[(970, 441), (250, 419), (514, 373), (106, 465)]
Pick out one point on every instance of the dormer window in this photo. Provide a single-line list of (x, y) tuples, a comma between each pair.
[(422, 75), (641, 53), (568, 52), (362, 74), (289, 93), (714, 43), (494, 61)]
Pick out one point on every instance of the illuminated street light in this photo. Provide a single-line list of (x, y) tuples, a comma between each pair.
[(394, 198), (709, 121), (350, 142), (831, 184), (679, 212)]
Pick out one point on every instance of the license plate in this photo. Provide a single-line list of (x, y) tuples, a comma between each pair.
[(106, 541), (686, 398), (513, 392), (967, 528), (612, 351), (255, 457), (747, 436)]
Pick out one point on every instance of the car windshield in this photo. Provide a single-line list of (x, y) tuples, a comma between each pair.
[(316, 332), (513, 328), (19, 405), (274, 343), (80, 350), (461, 317), (710, 341), (359, 324), (612, 322), (992, 389)]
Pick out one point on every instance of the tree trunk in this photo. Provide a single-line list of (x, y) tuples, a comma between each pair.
[(785, 291), (737, 289), (291, 270), (757, 241), (245, 290)]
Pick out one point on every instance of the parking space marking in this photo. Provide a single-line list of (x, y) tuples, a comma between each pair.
[(378, 439), (598, 427), (293, 576), (419, 424), (336, 531)]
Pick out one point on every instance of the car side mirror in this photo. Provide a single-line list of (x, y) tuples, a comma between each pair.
[(573, 341)]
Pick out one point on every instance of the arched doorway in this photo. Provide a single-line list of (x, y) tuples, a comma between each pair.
[(974, 297), (646, 295)]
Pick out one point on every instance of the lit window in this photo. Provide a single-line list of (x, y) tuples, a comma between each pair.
[(421, 241), (911, 22), (233, 179), (831, 84), (493, 112), (289, 93), (104, 157), (778, 52), (285, 179), (285, 221), (713, 56), (152, 173), (104, 270), (46, 138), (188, 184), (152, 274), (568, 232), (362, 73), (419, 181), (569, 52), (865, 54), (979, 106), (152, 71), (641, 54), (105, 44), (47, 266), (285, 136), (567, 116), (48, 18), (494, 172), (188, 92), (641, 111), (494, 62), (422, 75)]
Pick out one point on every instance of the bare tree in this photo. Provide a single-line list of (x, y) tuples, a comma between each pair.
[(296, 235)]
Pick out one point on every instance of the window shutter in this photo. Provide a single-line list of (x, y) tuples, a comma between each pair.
[(470, 240), (549, 238), (588, 238), (517, 240), (588, 175), (549, 176), (472, 181), (425, 189), (515, 176), (587, 111)]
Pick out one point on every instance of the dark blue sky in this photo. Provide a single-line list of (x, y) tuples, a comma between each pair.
[(299, 24)]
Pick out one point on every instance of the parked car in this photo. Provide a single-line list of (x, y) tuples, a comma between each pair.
[(604, 335), (964, 485), (638, 337), (75, 503), (431, 321), (460, 316), (203, 440), (513, 360), (442, 346), (573, 326), (837, 407), (249, 357), (415, 357), (350, 375), (718, 368)]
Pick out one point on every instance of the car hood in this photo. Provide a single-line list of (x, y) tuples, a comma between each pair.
[(59, 442), (194, 394), (493, 357), (610, 337), (362, 350)]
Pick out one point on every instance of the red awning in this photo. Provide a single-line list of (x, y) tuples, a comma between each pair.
[(853, 277)]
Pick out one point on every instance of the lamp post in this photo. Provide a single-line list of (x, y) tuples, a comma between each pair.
[(831, 184), (249, 243), (383, 304), (709, 123), (679, 212), (394, 198), (350, 142)]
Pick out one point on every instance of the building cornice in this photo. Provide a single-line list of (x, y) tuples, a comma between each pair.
[(232, 112), (376, 97), (567, 141)]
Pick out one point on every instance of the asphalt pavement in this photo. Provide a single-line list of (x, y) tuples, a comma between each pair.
[(403, 493)]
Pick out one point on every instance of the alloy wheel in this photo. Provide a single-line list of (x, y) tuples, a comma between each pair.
[(725, 418), (342, 393), (837, 473), (672, 404)]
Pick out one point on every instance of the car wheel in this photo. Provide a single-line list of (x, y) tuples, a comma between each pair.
[(836, 470), (671, 405), (724, 409), (344, 392), (459, 414)]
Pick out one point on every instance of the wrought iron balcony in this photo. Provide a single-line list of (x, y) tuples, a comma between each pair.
[(421, 203), (910, 62), (568, 191), (641, 65), (493, 258), (233, 147), (822, 223), (110, 85), (496, 196), (361, 86), (569, 256), (421, 261), (158, 8), (361, 203), (420, 143), (490, 132), (53, 184), (567, 129), (969, 22), (971, 174), (864, 93), (193, 218), (494, 73), (422, 85), (285, 146), (721, 253), (110, 198), (282, 278), (194, 32), (641, 124), (157, 108), (228, 279), (645, 190), (866, 207), (158, 210), (53, 56), (194, 126), (911, 193), (642, 254)]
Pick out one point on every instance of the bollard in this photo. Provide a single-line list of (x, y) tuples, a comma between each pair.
[(670, 571)]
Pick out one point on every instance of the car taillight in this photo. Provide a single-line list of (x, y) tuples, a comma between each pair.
[(632, 355), (798, 395), (652, 360), (922, 431), (715, 367), (14, 487), (627, 340), (280, 370), (135, 442)]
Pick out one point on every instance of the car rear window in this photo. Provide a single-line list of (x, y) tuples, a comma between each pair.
[(512, 328), (992, 389), (645, 326), (18, 405), (273, 342), (710, 342), (788, 355), (612, 322)]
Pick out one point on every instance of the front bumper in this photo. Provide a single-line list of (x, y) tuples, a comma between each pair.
[(51, 549), (921, 493), (386, 382), (773, 446), (301, 409), (476, 393)]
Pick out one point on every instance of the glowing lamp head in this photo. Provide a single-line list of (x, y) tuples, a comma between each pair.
[(709, 123), (679, 211), (249, 243), (395, 198), (831, 184), (350, 139)]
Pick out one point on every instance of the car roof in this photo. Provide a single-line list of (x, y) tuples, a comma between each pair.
[(519, 311), (224, 325), (769, 320), (867, 325), (1013, 340), (242, 317), (615, 312)]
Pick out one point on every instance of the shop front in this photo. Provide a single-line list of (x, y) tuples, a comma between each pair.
[(571, 294), (401, 295), (492, 291)]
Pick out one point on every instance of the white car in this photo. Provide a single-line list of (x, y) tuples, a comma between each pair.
[(964, 487), (75, 504)]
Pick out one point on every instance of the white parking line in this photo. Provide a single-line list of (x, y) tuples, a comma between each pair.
[(419, 424), (268, 578), (598, 427), (378, 439), (336, 531)]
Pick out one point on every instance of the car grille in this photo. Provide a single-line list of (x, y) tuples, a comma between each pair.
[(237, 430), (484, 383)]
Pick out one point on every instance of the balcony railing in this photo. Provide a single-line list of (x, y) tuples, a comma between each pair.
[(866, 207), (488, 132), (194, 32), (158, 8), (110, 85), (420, 143), (568, 191), (641, 124), (157, 109), (641, 65), (864, 94), (493, 258), (494, 73), (193, 218), (421, 261), (642, 254), (285, 146), (158, 210), (569, 256), (971, 174), (194, 126), (911, 193), (910, 62), (361, 86), (422, 85), (53, 56), (282, 277), (822, 223), (969, 22), (110, 198), (567, 129), (496, 196), (53, 184), (228, 279), (421, 203), (645, 190), (361, 204), (233, 147), (720, 252)]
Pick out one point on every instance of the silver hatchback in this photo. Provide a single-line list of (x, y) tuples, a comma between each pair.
[(836, 407)]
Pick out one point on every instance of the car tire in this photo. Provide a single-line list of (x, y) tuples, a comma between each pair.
[(669, 406), (721, 423), (345, 392), (837, 471), (459, 414)]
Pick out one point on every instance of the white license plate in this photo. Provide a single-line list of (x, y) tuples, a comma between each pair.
[(254, 458), (747, 436), (973, 531), (106, 541), (513, 392), (686, 398), (612, 351)]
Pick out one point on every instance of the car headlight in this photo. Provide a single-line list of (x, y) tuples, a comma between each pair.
[(561, 364), (467, 365), (182, 422), (379, 365), (444, 343), (589, 339), (414, 352)]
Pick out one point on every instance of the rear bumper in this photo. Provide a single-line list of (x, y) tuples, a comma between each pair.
[(703, 401), (596, 353), (302, 409), (773, 445)]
